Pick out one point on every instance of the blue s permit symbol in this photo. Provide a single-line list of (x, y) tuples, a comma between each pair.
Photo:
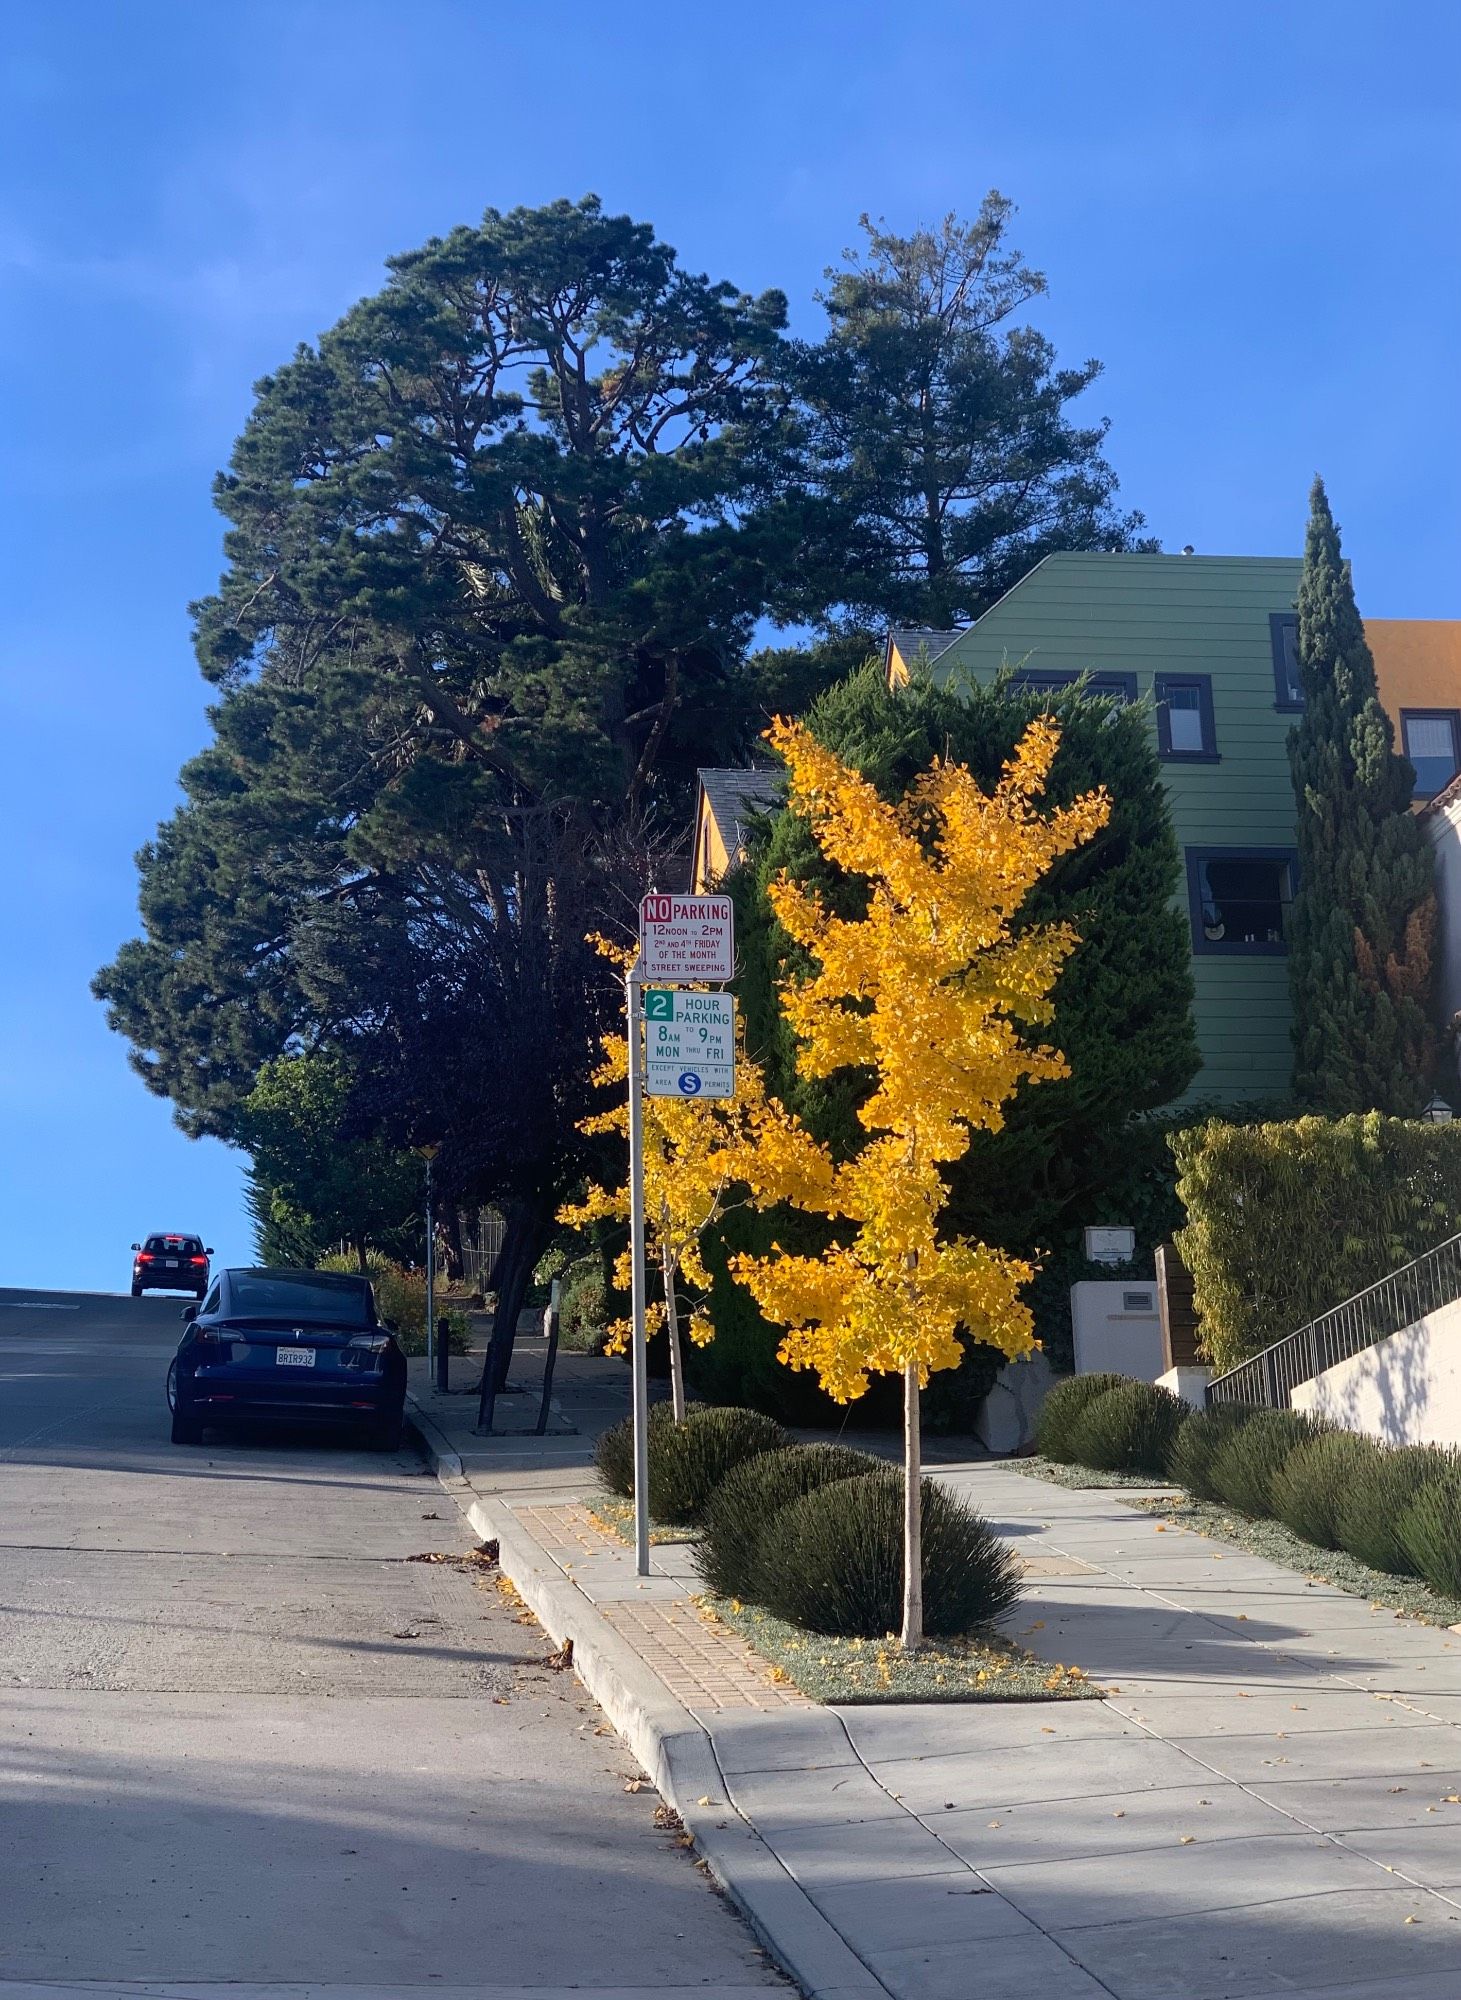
[(689, 1083)]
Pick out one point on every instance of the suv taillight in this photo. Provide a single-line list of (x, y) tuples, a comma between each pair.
[(197, 1260)]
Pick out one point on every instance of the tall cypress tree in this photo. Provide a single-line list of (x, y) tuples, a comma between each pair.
[(1362, 936)]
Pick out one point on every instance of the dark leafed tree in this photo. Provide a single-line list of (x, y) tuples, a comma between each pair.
[(495, 548), (1079, 1149), (943, 444), (312, 1186), (1362, 934)]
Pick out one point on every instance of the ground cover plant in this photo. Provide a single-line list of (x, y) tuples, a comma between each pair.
[(1407, 1595), (801, 1546), (976, 1667), (1285, 1484), (1085, 1478)]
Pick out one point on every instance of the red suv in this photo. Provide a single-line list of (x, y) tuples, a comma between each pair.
[(170, 1264)]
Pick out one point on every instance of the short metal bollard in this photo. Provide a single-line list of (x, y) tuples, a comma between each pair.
[(550, 1328)]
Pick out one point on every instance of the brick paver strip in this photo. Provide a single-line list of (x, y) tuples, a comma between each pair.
[(704, 1665), (569, 1527)]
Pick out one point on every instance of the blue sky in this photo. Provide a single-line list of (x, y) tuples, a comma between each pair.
[(1248, 212)]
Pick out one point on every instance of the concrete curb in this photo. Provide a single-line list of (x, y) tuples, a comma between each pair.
[(674, 1749)]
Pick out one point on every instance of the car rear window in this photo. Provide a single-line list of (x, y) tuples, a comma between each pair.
[(300, 1295), (174, 1246)]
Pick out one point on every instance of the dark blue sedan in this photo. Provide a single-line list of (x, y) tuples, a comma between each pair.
[(297, 1346)]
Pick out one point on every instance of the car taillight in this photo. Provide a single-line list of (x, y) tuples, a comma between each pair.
[(197, 1260)]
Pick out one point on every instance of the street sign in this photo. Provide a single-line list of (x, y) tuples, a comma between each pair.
[(684, 938), (689, 1043)]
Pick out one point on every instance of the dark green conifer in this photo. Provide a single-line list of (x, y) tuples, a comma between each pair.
[(1363, 925)]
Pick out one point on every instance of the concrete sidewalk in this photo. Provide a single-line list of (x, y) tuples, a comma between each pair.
[(1267, 1803)]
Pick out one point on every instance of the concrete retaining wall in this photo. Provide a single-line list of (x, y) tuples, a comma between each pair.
[(1405, 1390)]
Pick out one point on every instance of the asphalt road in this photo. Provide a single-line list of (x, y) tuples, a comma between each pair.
[(244, 1739)]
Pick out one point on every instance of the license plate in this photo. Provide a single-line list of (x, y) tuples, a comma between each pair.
[(169, 1263), (295, 1357)]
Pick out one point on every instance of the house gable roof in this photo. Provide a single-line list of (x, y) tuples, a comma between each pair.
[(733, 796)]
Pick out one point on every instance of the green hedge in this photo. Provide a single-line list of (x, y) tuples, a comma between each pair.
[(1286, 1220)]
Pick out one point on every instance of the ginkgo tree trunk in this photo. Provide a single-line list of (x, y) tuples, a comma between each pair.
[(930, 992)]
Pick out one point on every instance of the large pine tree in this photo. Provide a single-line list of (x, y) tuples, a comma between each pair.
[(948, 448), (496, 546), (1362, 934)]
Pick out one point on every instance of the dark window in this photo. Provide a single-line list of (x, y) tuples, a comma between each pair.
[(300, 1295), (1240, 898), (1430, 737), (1283, 633), (174, 1246), (210, 1304), (1040, 680), (1184, 718)]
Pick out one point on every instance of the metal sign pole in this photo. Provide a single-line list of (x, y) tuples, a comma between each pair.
[(636, 1265), (430, 1279)]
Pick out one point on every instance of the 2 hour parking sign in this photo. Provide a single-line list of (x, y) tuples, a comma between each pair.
[(689, 1043)]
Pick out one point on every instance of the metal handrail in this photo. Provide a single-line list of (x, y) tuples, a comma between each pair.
[(1265, 1382)]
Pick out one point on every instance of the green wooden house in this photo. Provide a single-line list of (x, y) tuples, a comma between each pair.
[(1208, 643)]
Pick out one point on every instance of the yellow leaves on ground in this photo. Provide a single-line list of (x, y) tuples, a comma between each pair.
[(931, 990)]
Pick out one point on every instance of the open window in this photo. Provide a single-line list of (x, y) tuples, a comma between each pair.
[(1240, 898), (1431, 738), (1185, 729)]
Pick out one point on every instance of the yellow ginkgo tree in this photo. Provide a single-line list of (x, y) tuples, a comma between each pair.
[(701, 1157), (930, 992)]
